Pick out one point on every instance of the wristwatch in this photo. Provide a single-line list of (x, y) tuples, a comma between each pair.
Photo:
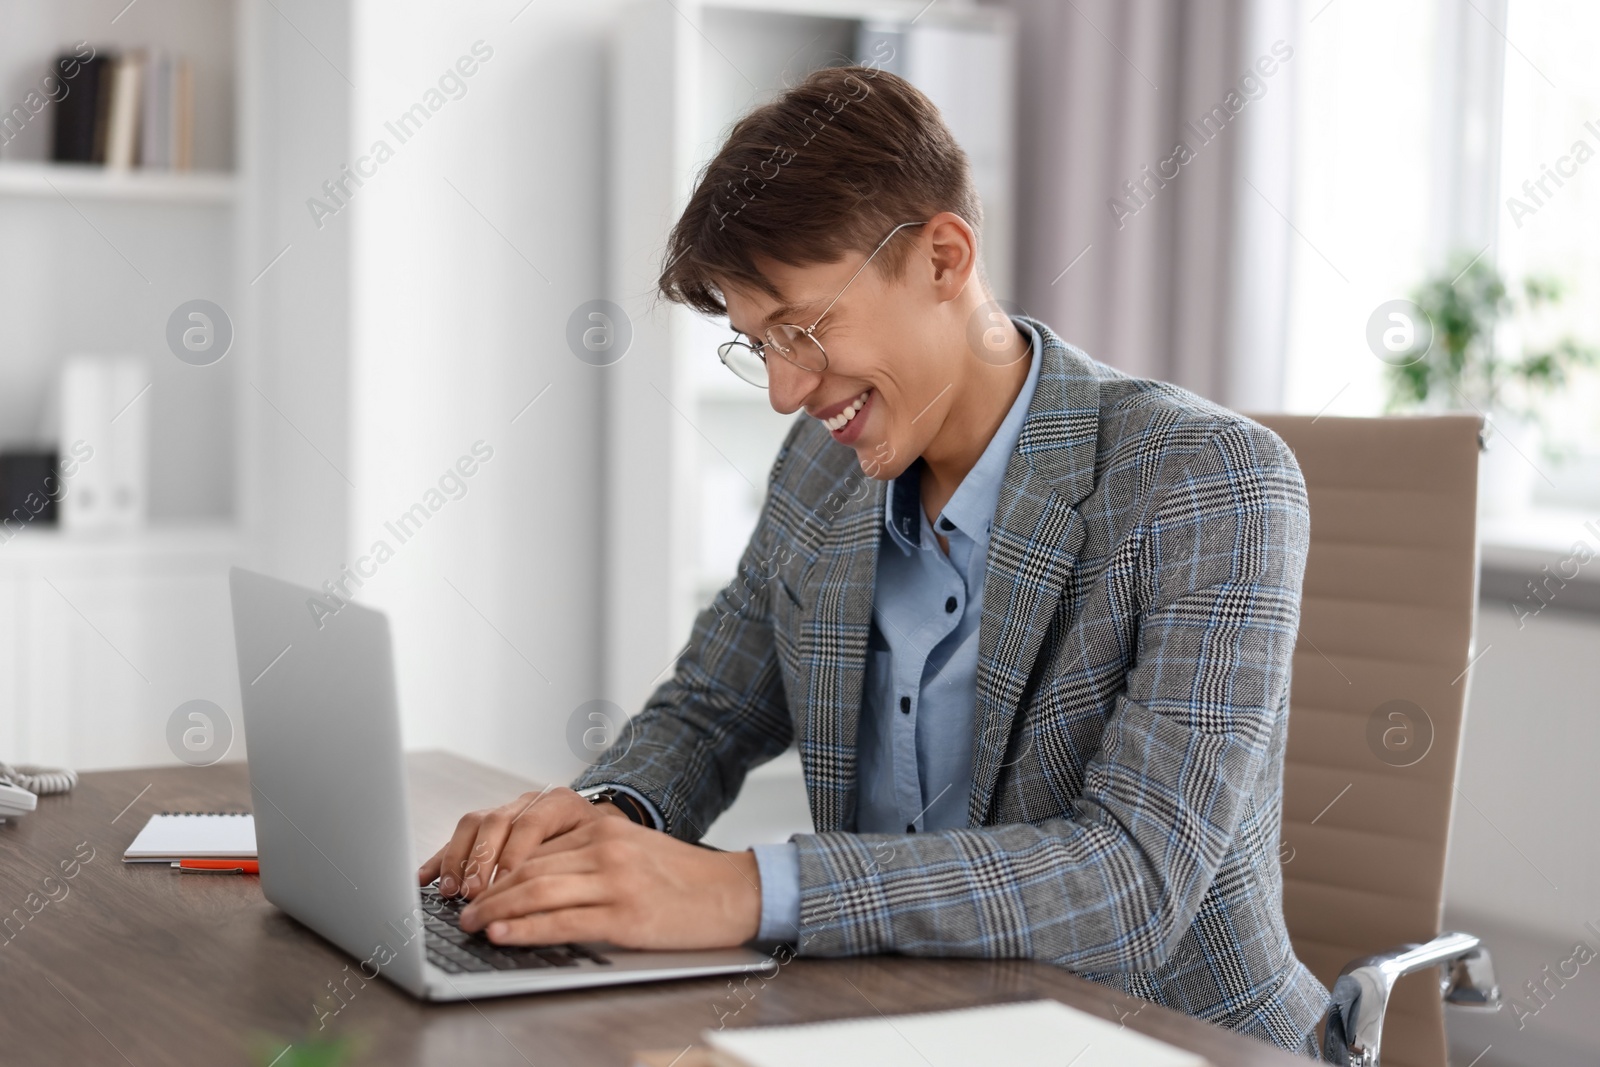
[(607, 794)]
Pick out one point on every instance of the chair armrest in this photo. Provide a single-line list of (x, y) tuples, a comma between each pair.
[(1361, 995)]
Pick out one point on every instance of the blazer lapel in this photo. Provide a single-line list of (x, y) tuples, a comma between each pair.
[(835, 648), (1034, 545)]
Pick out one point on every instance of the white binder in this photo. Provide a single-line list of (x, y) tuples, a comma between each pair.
[(104, 404)]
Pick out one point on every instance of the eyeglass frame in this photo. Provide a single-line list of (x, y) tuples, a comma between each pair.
[(759, 349)]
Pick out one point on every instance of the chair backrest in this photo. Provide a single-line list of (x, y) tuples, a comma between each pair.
[(1378, 695)]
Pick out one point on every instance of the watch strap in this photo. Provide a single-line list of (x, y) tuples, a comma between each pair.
[(624, 803)]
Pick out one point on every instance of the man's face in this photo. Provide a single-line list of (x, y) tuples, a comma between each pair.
[(886, 388)]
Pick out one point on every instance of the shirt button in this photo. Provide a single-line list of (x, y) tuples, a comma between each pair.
[(905, 705), (911, 828), (946, 525), (950, 605)]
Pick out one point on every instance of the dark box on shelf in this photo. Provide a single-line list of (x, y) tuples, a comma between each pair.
[(29, 486)]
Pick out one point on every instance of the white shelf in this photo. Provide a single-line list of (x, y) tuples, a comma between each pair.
[(81, 181), (184, 540)]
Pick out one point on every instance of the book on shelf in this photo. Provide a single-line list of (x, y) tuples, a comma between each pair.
[(122, 127), (77, 113), (133, 109), (155, 122), (182, 125)]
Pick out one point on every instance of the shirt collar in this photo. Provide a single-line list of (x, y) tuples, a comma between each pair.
[(971, 509)]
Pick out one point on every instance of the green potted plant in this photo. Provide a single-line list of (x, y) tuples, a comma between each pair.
[(1466, 363)]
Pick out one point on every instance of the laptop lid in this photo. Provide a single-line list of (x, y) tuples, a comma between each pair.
[(327, 778)]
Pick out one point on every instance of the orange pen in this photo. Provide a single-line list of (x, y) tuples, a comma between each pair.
[(219, 866)]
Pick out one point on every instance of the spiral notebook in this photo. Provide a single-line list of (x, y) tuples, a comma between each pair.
[(194, 835)]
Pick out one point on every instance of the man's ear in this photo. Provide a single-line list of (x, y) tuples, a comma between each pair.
[(954, 252)]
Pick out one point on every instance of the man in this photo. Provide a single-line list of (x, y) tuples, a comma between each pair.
[(1030, 621)]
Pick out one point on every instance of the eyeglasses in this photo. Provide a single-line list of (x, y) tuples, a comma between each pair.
[(797, 344)]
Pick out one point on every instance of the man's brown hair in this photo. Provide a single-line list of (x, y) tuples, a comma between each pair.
[(829, 167)]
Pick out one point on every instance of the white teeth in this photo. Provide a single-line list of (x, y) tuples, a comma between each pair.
[(839, 421)]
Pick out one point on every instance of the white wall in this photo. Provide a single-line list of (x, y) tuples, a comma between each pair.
[(293, 382), (1524, 845), (1524, 870), (470, 248)]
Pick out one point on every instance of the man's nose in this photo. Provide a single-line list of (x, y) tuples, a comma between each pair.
[(788, 385)]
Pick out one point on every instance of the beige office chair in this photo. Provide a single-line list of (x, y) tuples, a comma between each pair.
[(1377, 700)]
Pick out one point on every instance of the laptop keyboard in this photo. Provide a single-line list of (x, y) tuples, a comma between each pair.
[(452, 949)]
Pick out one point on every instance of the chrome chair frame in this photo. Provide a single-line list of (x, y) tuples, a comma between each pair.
[(1354, 1034)]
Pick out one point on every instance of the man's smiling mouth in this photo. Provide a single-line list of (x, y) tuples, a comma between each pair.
[(842, 419)]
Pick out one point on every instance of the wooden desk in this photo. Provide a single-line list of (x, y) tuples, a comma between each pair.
[(133, 963)]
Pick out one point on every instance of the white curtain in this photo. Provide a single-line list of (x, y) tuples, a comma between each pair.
[(1165, 261)]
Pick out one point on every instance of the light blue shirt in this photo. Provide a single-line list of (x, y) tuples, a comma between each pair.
[(914, 742)]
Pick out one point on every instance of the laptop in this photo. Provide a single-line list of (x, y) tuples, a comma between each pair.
[(333, 833)]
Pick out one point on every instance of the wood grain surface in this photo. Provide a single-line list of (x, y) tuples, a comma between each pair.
[(106, 962)]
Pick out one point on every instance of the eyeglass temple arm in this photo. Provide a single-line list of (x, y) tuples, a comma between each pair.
[(859, 269)]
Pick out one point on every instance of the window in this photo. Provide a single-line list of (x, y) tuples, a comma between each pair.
[(1362, 187), (1417, 127), (1550, 140)]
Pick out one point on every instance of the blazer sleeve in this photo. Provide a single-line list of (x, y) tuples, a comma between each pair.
[(723, 710), (1114, 883)]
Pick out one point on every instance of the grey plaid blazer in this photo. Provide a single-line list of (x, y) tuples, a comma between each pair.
[(1139, 615)]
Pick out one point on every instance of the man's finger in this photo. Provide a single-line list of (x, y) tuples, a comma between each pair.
[(587, 923), (475, 851), (470, 856), (550, 892), (484, 851), (570, 861), (551, 820), (485, 855), (455, 852)]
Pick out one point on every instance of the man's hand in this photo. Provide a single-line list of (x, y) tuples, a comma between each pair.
[(507, 835), (612, 880)]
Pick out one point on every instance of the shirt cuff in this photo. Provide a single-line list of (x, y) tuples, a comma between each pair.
[(780, 891), (643, 800)]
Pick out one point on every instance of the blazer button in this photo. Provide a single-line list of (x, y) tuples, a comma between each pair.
[(905, 705), (950, 605)]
